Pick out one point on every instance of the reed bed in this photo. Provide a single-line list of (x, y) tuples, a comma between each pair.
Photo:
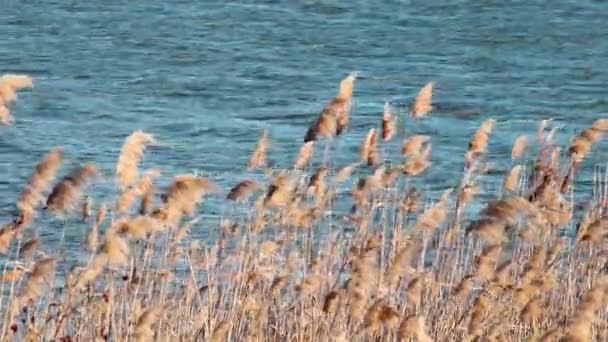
[(316, 251)]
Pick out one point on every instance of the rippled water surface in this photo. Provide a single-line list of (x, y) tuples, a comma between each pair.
[(205, 77)]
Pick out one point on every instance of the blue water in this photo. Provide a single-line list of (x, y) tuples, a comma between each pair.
[(205, 77)]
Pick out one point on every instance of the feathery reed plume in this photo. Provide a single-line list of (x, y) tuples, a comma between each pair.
[(39, 182), (304, 155), (579, 327), (101, 214), (414, 291), (413, 144), (414, 327), (519, 147), (511, 182), (9, 85), (147, 200), (344, 173), (258, 157), (480, 306), (15, 82), (434, 216), (6, 236), (243, 190), (142, 186), (368, 152), (479, 141), (41, 273), (401, 264), (489, 229), (30, 247), (486, 262), (346, 86), (381, 315), (334, 117), (277, 285), (92, 239), (417, 163), (114, 247), (184, 230), (316, 185), (422, 104), (183, 194), (601, 124), (502, 213), (332, 303), (280, 191), (145, 321), (410, 201), (532, 312), (67, 192), (342, 103), (131, 153), (221, 332), (594, 231), (309, 285), (581, 144), (325, 126), (389, 122), (139, 227), (92, 271)]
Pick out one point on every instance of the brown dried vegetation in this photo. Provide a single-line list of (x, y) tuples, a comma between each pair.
[(293, 257)]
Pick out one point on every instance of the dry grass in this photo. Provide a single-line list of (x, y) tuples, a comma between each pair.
[(289, 264)]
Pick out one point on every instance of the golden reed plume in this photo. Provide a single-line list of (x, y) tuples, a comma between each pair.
[(182, 196), (243, 190), (418, 162), (511, 182), (258, 157), (413, 144), (9, 85), (39, 182), (519, 147), (368, 151), (304, 155), (92, 238), (145, 322), (334, 117), (143, 186), (130, 155), (422, 104), (41, 274), (582, 143), (344, 173), (65, 195), (342, 103), (280, 191), (479, 141)]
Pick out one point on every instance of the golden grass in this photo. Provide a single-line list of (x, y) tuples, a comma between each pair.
[(293, 260)]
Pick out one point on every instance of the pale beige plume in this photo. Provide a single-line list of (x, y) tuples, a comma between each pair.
[(422, 104), (258, 157), (131, 153)]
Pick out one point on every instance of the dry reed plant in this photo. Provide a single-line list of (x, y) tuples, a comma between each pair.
[(311, 252), (130, 155), (9, 85), (422, 104), (334, 117)]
